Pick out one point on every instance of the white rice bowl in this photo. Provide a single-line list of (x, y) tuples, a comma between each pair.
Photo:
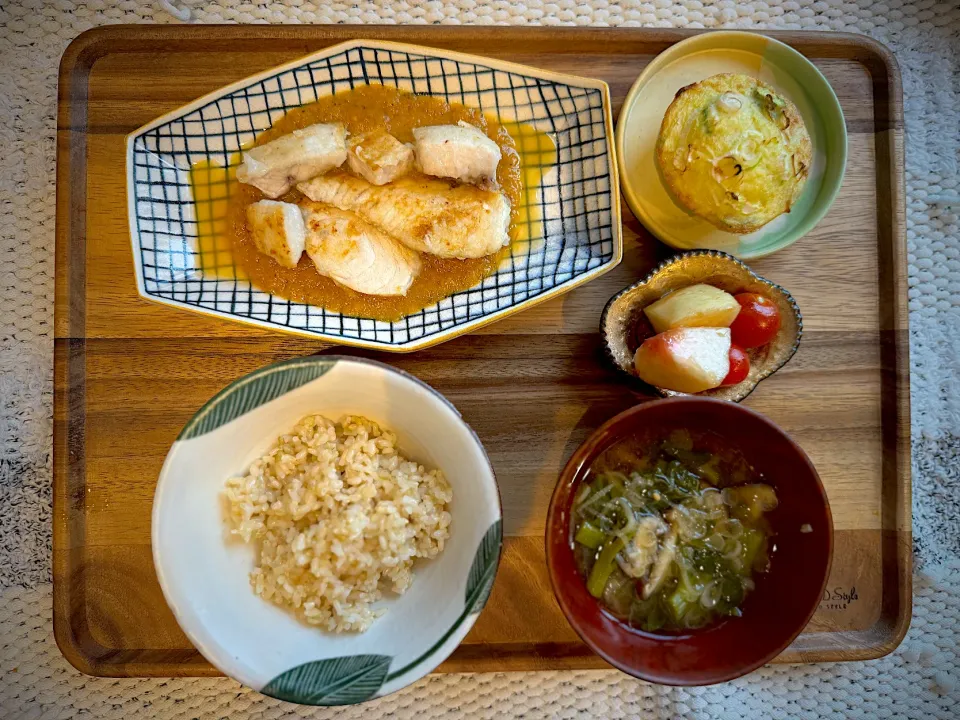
[(204, 565)]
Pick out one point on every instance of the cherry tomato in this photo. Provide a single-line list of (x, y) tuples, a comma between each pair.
[(739, 366), (642, 332), (757, 323)]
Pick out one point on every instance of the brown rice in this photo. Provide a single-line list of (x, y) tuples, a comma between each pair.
[(337, 513)]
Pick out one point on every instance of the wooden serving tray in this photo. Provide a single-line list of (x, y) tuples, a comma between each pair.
[(130, 373)]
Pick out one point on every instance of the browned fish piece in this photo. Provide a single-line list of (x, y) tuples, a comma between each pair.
[(425, 214), (378, 157), (345, 247), (277, 166)]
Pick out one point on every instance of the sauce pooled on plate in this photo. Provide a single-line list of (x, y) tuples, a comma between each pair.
[(227, 249)]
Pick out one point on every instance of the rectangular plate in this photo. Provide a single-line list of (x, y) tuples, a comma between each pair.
[(129, 373)]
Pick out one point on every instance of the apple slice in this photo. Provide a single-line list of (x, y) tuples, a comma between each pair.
[(693, 306), (687, 360)]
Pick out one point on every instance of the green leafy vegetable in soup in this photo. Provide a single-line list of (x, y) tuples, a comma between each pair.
[(669, 534)]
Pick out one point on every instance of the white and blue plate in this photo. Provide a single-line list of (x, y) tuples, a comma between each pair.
[(580, 236)]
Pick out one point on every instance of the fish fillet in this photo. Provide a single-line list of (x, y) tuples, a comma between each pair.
[(277, 230), (424, 214), (378, 157), (354, 253), (461, 151), (280, 164)]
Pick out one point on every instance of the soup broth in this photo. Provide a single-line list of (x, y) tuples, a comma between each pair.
[(669, 533)]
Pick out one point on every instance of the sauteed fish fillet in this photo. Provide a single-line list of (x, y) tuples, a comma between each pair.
[(461, 152), (277, 231), (425, 214), (354, 253), (378, 157), (280, 164)]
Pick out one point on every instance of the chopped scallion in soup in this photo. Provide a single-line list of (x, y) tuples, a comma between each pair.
[(669, 534)]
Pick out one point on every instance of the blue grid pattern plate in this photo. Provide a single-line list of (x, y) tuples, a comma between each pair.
[(580, 236)]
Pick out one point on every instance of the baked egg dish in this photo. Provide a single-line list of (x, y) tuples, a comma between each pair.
[(734, 151)]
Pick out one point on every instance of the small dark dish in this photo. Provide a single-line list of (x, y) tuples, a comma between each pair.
[(624, 325), (784, 598)]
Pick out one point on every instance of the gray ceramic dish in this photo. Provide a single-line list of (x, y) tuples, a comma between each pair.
[(623, 321)]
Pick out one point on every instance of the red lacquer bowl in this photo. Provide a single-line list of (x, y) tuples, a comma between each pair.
[(785, 597)]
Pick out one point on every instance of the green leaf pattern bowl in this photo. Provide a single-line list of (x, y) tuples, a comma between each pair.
[(205, 575)]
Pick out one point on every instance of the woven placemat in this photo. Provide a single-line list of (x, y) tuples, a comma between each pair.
[(919, 680)]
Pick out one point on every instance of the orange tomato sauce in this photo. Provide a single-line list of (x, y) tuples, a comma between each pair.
[(227, 249)]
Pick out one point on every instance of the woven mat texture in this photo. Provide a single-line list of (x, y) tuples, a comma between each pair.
[(918, 681)]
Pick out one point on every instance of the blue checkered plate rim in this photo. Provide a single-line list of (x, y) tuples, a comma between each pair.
[(579, 238)]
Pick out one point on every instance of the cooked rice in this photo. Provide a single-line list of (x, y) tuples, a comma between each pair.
[(337, 513)]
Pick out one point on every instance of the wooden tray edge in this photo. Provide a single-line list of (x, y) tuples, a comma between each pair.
[(88, 656), (897, 608)]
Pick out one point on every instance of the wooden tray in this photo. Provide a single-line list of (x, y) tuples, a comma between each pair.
[(129, 373)]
